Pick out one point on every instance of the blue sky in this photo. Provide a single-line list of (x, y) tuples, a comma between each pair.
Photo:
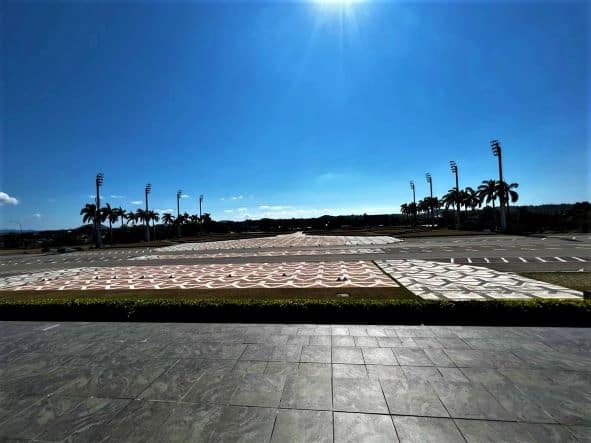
[(287, 108)]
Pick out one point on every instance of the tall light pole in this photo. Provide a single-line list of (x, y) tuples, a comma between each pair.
[(497, 152), (454, 169), (414, 201), (178, 212), (97, 216), (200, 217), (147, 190), (430, 181)]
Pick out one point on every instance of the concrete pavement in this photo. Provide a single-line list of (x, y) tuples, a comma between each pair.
[(507, 253)]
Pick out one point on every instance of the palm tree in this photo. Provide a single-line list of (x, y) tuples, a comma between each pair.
[(404, 211), (423, 205), (412, 209), (194, 218), (131, 217), (452, 198), (487, 192), (182, 219), (121, 213), (88, 213), (507, 192), (154, 217), (168, 218), (110, 214), (206, 218), (434, 205), (471, 199), (141, 215)]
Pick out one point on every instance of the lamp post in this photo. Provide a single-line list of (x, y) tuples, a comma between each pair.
[(178, 212), (414, 201), (497, 152), (97, 216), (454, 169), (430, 181), (148, 189), (200, 217)]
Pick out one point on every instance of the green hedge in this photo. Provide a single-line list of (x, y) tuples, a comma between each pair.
[(403, 311)]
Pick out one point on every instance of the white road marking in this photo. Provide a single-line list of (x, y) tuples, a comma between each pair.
[(579, 259), (541, 259), (451, 260), (504, 260), (486, 260), (469, 259), (560, 259), (522, 259), (50, 327)]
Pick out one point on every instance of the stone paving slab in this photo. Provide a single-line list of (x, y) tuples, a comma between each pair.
[(297, 239), (436, 281), (337, 274), (139, 382)]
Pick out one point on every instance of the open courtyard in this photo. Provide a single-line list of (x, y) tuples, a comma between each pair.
[(87, 381), (302, 221)]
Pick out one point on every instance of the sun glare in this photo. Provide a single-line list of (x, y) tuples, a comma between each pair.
[(338, 3)]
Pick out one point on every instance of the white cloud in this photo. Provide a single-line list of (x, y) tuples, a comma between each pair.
[(164, 211), (327, 176), (117, 196), (136, 202), (93, 196), (284, 211), (36, 215), (274, 208), (185, 196), (6, 199), (237, 197)]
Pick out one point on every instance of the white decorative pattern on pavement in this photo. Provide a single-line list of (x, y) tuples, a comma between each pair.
[(284, 241), (334, 274), (436, 281), (284, 253)]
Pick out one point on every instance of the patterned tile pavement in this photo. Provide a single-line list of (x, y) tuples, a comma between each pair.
[(334, 274), (435, 281), (280, 253), (284, 241)]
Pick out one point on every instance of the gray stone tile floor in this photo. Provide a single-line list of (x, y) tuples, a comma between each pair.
[(293, 383)]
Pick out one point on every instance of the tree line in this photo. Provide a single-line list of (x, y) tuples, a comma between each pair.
[(468, 198), (141, 216)]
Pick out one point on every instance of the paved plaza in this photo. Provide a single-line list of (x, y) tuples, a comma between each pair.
[(437, 281), (149, 382), (297, 239), (334, 274), (290, 383), (500, 252), (273, 253)]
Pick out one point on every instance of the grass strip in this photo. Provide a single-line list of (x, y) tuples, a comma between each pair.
[(579, 281), (245, 310), (375, 293)]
